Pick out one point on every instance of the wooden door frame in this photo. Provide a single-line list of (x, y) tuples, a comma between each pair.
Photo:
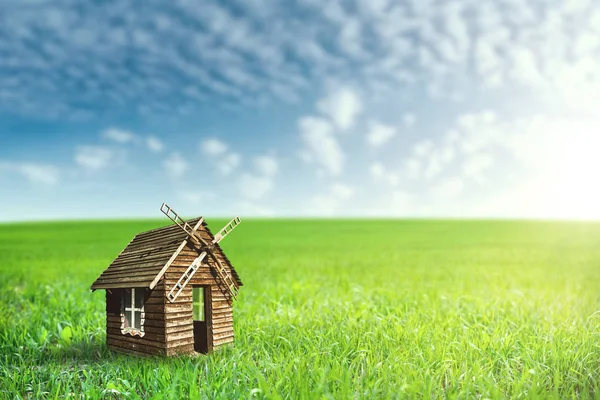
[(207, 313)]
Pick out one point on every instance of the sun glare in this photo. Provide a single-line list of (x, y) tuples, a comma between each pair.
[(573, 173)]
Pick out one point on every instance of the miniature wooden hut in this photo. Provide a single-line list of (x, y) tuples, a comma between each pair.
[(171, 291)]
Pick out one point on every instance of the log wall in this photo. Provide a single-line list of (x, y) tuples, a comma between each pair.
[(154, 340), (179, 319)]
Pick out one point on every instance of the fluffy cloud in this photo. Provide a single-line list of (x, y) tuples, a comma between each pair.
[(154, 144), (380, 173), (35, 173), (213, 147), (93, 158), (119, 135), (176, 165), (270, 54), (321, 144), (255, 187), (229, 163), (331, 202), (266, 165), (342, 105), (379, 134), (225, 162)]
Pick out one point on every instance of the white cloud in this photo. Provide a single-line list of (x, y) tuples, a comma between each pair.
[(475, 166), (225, 162), (321, 145), (213, 147), (255, 187), (342, 105), (93, 158), (379, 134), (409, 120), (176, 165), (448, 188), (331, 202), (341, 191), (45, 174), (229, 163), (119, 135), (380, 173), (154, 144), (197, 197), (266, 165)]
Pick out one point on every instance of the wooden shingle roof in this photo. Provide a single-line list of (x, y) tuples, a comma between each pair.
[(146, 258)]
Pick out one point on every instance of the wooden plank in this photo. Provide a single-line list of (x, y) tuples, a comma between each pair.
[(181, 350), (143, 348), (180, 342), (128, 351), (148, 336), (135, 340), (121, 285), (222, 330), (224, 335), (222, 318), (222, 342), (157, 245), (137, 268), (148, 327), (179, 328), (164, 269), (154, 257), (179, 322), (181, 335), (178, 307), (125, 278)]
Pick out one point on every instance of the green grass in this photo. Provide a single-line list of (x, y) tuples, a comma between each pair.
[(330, 309)]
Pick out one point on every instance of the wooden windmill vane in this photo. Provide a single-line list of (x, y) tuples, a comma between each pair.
[(171, 290)]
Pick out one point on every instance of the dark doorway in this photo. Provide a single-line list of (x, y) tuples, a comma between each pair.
[(202, 318)]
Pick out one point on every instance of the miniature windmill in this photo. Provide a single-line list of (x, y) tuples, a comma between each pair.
[(203, 249)]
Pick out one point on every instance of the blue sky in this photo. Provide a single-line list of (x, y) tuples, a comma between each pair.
[(413, 108)]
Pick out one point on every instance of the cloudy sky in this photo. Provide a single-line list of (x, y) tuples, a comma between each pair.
[(416, 108)]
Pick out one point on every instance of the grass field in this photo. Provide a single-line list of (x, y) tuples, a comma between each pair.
[(330, 309)]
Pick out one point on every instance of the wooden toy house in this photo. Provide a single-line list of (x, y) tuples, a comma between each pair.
[(171, 291)]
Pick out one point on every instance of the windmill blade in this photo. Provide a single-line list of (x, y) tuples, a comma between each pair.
[(185, 278), (173, 216), (227, 229)]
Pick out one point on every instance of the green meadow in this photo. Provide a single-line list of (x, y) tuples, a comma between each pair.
[(329, 309)]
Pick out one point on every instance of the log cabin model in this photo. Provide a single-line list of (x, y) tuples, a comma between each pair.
[(171, 290)]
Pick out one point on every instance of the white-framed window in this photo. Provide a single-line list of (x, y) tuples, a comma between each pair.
[(132, 311)]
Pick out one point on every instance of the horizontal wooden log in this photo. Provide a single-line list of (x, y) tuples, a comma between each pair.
[(222, 319), (132, 280), (140, 347), (180, 342), (223, 335), (148, 336), (178, 328), (187, 320), (131, 352), (149, 243), (154, 309), (181, 350), (187, 334), (222, 342), (140, 267), (221, 312), (115, 326)]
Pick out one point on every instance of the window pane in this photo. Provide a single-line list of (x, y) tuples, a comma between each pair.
[(139, 297), (198, 303), (127, 298), (138, 319)]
